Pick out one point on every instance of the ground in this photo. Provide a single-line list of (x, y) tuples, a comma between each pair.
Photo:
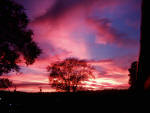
[(106, 101)]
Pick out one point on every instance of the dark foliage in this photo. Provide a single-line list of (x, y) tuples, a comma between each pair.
[(133, 74), (68, 74), (5, 83), (15, 39)]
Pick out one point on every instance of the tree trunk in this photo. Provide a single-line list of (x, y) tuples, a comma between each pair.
[(74, 88), (143, 72)]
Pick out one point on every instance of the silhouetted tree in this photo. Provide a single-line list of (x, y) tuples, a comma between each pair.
[(5, 83), (15, 39), (133, 74), (68, 74), (143, 73)]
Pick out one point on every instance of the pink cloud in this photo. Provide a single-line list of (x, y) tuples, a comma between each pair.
[(60, 29), (57, 30), (113, 76), (60, 37), (30, 82), (106, 34), (65, 17)]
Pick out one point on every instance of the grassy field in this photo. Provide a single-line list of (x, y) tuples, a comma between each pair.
[(106, 101)]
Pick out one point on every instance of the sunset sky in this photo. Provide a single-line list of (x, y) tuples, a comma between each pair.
[(104, 32)]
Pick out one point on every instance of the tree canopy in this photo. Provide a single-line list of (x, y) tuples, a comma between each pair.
[(68, 74), (132, 74), (5, 83), (15, 38)]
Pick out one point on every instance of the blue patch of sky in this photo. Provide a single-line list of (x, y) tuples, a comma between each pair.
[(119, 18), (27, 70), (108, 51), (101, 51)]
